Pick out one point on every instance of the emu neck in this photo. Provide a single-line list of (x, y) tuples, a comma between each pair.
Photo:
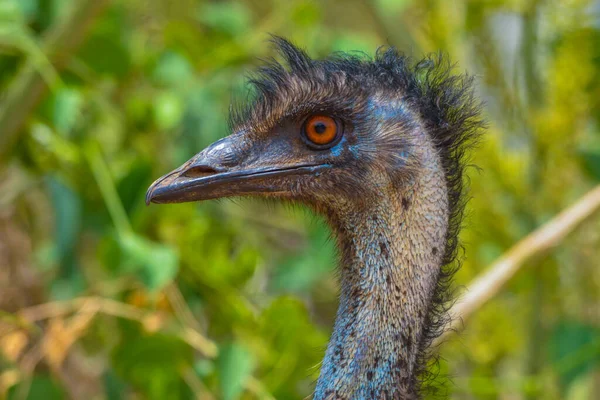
[(391, 256)]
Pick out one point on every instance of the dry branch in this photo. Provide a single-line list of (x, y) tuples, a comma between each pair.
[(117, 309), (489, 283)]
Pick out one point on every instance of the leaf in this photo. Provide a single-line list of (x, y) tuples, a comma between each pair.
[(153, 364), (11, 12), (229, 17), (67, 212), (574, 350), (156, 264), (114, 387), (591, 163), (29, 8), (582, 388), (204, 367), (392, 6), (168, 110), (132, 187), (302, 270), (66, 104), (354, 42), (42, 387), (235, 365), (173, 70), (105, 53), (288, 333), (306, 13)]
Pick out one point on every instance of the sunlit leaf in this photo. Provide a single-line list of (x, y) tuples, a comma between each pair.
[(67, 209), (29, 8), (173, 69), (231, 17), (306, 13), (235, 365), (591, 162), (153, 364), (114, 386), (353, 42), (42, 387), (574, 350), (67, 104), (156, 264), (300, 271), (105, 54), (392, 6), (168, 110), (132, 187)]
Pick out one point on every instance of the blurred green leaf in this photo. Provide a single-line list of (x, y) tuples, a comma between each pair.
[(301, 270), (67, 211), (42, 387), (392, 6), (291, 337), (354, 43), (29, 8), (67, 103), (168, 110), (582, 388), (154, 364), (173, 69), (12, 11), (156, 264), (113, 385), (574, 350), (591, 163), (235, 366), (204, 367), (228, 16), (306, 13), (105, 54), (132, 187)]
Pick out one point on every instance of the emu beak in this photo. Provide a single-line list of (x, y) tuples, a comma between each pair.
[(226, 169)]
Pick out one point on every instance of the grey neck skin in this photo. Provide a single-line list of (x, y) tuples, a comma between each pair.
[(391, 256)]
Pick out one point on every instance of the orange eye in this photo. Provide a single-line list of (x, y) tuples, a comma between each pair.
[(320, 130)]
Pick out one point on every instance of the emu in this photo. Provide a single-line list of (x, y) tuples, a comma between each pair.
[(377, 147)]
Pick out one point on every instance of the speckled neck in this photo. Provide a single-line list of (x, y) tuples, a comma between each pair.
[(391, 255)]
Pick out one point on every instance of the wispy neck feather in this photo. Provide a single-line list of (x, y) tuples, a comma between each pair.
[(392, 252)]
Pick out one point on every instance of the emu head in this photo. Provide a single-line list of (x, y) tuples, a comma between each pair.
[(332, 133)]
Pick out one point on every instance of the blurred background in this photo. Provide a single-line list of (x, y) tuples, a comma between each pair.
[(102, 297)]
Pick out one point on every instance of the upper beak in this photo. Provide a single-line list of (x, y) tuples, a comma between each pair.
[(223, 170)]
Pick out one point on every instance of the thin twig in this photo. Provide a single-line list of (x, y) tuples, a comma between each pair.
[(195, 384), (489, 283), (116, 309), (28, 86), (182, 310)]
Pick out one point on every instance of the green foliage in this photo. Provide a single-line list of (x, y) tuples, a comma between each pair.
[(575, 350), (236, 300), (153, 364), (234, 368), (41, 387)]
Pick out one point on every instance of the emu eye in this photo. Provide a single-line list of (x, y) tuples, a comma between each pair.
[(321, 132)]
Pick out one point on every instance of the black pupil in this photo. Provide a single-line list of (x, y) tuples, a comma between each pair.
[(320, 128)]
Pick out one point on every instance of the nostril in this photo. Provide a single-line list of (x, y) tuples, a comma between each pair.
[(201, 170)]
